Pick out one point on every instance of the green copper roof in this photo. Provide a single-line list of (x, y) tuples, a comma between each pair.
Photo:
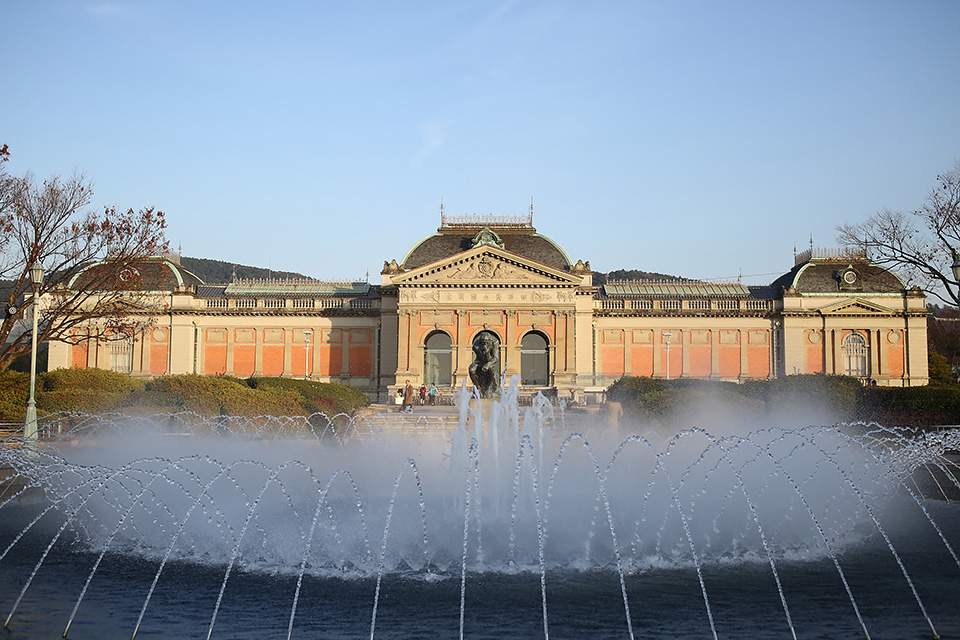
[(675, 288), (294, 288)]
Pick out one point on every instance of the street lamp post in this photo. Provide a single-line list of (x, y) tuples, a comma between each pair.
[(667, 335), (306, 364), (955, 267), (30, 424)]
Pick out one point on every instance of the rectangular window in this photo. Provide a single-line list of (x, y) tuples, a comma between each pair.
[(121, 356)]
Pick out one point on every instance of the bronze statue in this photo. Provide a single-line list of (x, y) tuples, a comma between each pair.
[(484, 371)]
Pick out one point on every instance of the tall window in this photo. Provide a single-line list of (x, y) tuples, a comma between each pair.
[(121, 355), (534, 360), (438, 360), (855, 355)]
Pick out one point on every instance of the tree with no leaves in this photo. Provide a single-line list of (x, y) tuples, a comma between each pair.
[(80, 299), (921, 245)]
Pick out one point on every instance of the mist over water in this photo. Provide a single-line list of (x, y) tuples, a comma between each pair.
[(549, 506)]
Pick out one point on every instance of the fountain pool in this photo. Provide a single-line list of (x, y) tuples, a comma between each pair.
[(522, 523)]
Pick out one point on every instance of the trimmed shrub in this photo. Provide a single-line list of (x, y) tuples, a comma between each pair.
[(14, 394), (325, 397), (783, 400), (909, 406), (89, 380), (216, 395)]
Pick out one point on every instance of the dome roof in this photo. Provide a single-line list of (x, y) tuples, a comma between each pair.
[(837, 273), (520, 239), (146, 274)]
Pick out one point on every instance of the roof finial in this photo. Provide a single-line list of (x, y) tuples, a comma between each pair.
[(531, 210), (811, 244)]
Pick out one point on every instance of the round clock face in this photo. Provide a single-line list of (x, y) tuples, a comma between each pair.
[(849, 277)]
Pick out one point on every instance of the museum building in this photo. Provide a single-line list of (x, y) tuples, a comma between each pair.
[(834, 312)]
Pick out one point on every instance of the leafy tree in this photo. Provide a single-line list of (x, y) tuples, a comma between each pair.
[(47, 224), (939, 367), (922, 244)]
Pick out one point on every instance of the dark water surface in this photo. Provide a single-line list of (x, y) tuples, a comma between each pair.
[(664, 603)]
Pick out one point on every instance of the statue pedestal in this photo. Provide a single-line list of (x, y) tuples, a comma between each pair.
[(612, 411)]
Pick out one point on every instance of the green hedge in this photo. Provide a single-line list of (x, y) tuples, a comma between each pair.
[(14, 394), (832, 398), (827, 398), (99, 391), (910, 406)]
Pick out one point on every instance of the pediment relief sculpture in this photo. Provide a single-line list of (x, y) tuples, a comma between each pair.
[(856, 307), (486, 268)]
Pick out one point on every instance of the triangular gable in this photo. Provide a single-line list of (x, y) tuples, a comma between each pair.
[(486, 265), (857, 307)]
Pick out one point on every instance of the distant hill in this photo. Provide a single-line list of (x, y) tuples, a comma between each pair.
[(630, 274), (219, 272)]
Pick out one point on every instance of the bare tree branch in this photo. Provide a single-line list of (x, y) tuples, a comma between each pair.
[(96, 281), (921, 244)]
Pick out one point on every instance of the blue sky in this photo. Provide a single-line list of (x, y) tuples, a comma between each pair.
[(702, 139)]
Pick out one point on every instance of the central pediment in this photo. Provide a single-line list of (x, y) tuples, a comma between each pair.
[(857, 307), (486, 265)]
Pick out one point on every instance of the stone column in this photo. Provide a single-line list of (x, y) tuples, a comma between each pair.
[(461, 349), (744, 337), (315, 348), (683, 342), (657, 353), (230, 341), (258, 353), (714, 353), (146, 342), (511, 364), (832, 362), (877, 366), (413, 346), (403, 335), (559, 349), (287, 352), (627, 352), (345, 353)]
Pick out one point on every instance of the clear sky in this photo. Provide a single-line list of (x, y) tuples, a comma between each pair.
[(702, 139)]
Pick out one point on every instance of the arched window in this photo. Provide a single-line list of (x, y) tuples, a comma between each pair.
[(534, 360), (855, 355), (438, 360)]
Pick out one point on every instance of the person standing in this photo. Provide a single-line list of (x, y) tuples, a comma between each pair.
[(408, 397), (423, 395), (433, 394)]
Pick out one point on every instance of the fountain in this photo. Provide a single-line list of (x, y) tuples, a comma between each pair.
[(521, 522)]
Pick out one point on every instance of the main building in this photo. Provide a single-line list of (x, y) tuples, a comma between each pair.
[(833, 312)]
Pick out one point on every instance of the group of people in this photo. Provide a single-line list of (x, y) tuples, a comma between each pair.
[(406, 396)]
